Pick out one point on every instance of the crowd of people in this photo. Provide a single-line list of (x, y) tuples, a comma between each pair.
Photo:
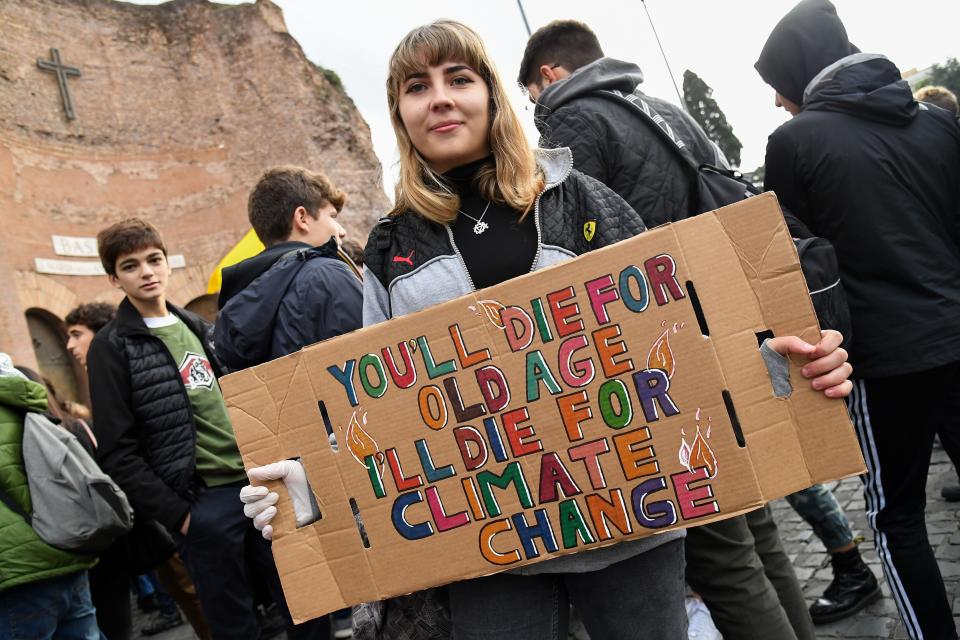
[(863, 163)]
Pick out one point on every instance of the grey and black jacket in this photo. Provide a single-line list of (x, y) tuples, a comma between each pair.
[(411, 263), (142, 415), (611, 143), (570, 199)]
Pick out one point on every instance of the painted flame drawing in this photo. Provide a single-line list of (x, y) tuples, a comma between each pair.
[(698, 453), (360, 443), (489, 309), (661, 354)]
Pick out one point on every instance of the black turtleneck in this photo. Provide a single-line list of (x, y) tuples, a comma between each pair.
[(506, 249)]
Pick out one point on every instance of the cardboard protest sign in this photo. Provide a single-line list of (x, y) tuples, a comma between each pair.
[(608, 398)]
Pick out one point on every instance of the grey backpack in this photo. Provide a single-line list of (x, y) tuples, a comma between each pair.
[(76, 506)]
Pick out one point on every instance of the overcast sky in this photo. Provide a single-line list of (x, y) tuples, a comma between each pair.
[(719, 40)]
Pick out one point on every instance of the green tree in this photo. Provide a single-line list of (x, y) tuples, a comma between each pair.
[(947, 75), (756, 176), (698, 97)]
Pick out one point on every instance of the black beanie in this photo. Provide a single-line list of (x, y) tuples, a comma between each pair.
[(804, 42)]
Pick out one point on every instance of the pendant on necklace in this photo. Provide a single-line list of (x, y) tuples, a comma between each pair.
[(480, 227)]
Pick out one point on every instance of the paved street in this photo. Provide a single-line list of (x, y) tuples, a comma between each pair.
[(880, 620)]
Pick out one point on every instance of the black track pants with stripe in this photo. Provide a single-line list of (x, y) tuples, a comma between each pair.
[(896, 419)]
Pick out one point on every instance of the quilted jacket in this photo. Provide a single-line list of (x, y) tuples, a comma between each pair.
[(24, 557), (611, 143), (142, 414), (569, 200)]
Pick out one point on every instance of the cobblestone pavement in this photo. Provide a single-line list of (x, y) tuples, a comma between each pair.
[(879, 620), (183, 632)]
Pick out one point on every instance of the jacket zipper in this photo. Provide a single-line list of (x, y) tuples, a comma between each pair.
[(536, 215), (536, 223), (459, 257)]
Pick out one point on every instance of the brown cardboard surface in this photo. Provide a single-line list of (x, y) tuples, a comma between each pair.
[(432, 514)]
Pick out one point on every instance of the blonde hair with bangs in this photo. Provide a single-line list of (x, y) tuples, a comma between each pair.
[(515, 181)]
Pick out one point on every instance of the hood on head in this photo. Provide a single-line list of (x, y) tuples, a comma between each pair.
[(805, 41), (605, 73)]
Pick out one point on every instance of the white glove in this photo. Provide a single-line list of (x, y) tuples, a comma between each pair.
[(258, 502)]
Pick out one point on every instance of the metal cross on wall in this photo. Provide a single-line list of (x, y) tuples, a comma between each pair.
[(62, 71)]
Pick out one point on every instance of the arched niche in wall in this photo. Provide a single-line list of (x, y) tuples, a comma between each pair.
[(49, 339), (204, 306)]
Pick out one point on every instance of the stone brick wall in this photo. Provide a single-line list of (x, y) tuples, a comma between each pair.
[(179, 108)]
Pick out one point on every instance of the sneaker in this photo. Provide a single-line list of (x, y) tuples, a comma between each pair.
[(163, 621), (951, 493), (852, 589), (700, 624)]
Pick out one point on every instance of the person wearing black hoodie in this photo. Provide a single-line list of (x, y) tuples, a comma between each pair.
[(878, 174)]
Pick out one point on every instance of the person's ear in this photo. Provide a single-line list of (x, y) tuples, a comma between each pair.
[(549, 74), (301, 219), (114, 281)]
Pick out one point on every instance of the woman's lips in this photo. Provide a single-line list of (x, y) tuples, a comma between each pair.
[(445, 127)]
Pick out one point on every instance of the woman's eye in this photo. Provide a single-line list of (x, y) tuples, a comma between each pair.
[(461, 80), (416, 87)]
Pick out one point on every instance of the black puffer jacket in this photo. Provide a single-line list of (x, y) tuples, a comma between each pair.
[(142, 414), (289, 296), (611, 143), (878, 175)]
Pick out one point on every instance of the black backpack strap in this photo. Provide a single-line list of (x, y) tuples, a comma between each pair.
[(659, 126), (12, 504), (655, 121)]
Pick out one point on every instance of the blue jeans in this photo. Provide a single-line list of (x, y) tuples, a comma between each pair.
[(146, 585), (640, 598), (823, 513), (55, 608)]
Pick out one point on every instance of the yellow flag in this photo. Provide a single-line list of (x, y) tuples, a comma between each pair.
[(248, 247)]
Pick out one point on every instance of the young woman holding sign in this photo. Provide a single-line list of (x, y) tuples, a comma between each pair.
[(475, 207)]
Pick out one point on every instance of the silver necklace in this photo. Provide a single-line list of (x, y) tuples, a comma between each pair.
[(481, 226)]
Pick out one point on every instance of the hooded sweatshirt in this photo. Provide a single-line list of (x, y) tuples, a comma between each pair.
[(289, 296), (612, 143), (811, 37), (867, 167)]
